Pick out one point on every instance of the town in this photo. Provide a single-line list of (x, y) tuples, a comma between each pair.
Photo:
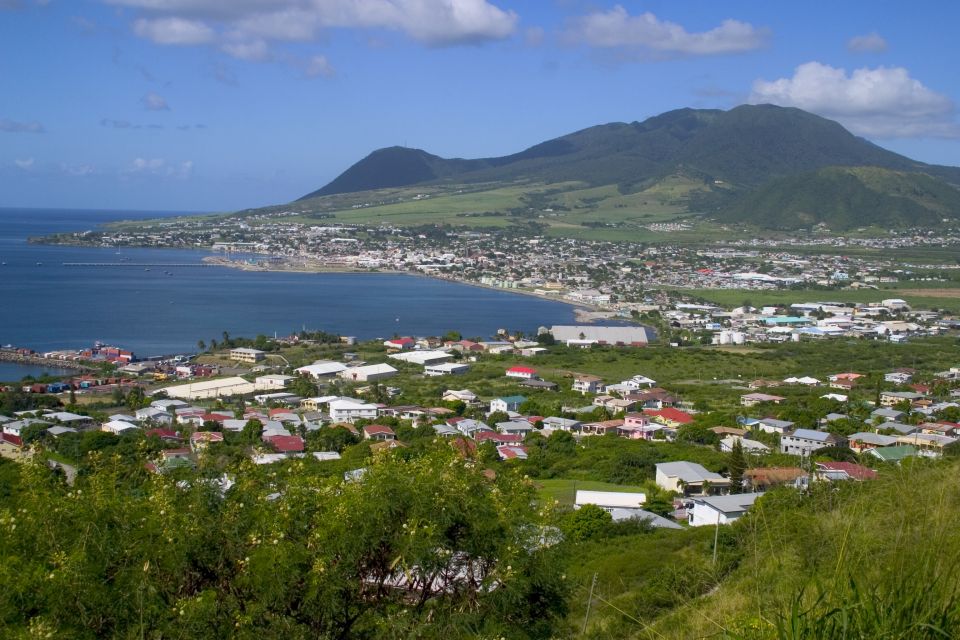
[(743, 425)]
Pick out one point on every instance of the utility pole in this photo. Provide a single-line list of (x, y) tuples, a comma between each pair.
[(586, 616), (716, 537)]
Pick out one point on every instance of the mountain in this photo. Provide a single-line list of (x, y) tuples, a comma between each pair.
[(746, 146), (755, 163)]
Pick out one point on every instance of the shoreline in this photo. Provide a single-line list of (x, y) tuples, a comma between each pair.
[(39, 361)]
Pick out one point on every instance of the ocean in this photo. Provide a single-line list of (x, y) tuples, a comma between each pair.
[(51, 306)]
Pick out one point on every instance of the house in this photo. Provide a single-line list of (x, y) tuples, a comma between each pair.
[(368, 373), (753, 399), (654, 398), (507, 404), (803, 442), (248, 356), (844, 471), (690, 478), (512, 452), (587, 384), (669, 416), (601, 428), (517, 427), (287, 445), (168, 404), (885, 413), (116, 427), (896, 453), (928, 445), (69, 419), (351, 409), (200, 440), (561, 424), (898, 377), (748, 446), (613, 405), (543, 385), (867, 440), (524, 373), (400, 343), (461, 395), (378, 432), (470, 427), (772, 425), (893, 398), (322, 369), (762, 479), (714, 510), (897, 428)]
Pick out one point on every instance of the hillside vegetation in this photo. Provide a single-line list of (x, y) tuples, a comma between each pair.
[(878, 559), (847, 197), (768, 166)]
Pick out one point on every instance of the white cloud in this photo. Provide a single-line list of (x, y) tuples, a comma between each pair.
[(174, 30), (13, 126), (160, 167), (432, 22), (870, 43), (154, 102), (319, 66), (617, 29), (26, 163), (251, 51), (884, 102), (78, 170)]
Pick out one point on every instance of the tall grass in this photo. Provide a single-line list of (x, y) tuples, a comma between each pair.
[(860, 560)]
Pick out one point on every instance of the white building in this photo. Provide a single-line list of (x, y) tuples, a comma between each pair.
[(249, 356), (273, 381), (422, 358), (446, 369), (322, 369), (689, 478), (713, 510), (210, 389), (368, 373), (351, 409)]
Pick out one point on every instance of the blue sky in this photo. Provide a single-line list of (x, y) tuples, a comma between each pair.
[(204, 105)]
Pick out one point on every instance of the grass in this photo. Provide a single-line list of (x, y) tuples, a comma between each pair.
[(878, 559), (565, 491)]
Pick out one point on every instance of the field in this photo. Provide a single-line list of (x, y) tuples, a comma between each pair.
[(565, 491)]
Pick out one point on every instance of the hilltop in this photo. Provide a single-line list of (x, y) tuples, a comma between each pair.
[(768, 166)]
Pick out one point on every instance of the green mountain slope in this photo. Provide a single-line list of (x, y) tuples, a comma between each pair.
[(847, 197), (747, 146)]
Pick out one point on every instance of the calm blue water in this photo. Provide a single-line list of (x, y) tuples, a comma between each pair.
[(12, 372), (49, 306)]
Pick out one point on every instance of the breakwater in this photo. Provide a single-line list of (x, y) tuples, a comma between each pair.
[(7, 355)]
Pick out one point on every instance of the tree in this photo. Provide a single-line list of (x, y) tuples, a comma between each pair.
[(252, 431), (589, 521), (737, 464), (201, 346)]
